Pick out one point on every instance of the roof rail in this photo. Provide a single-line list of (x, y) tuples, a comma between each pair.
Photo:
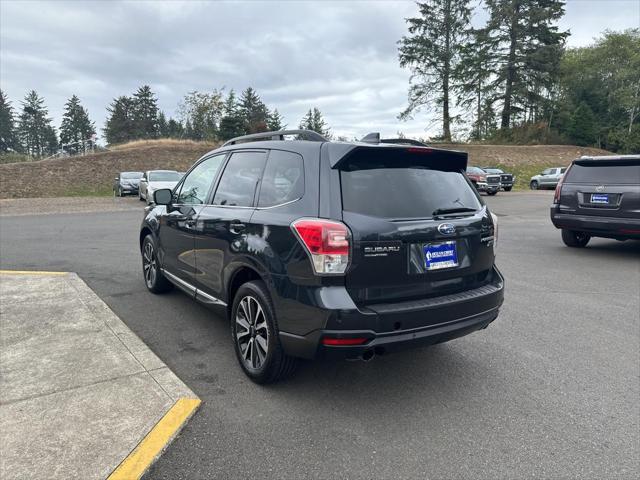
[(309, 135)]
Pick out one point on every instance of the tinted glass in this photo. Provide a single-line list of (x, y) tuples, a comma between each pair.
[(283, 179), (604, 174), (164, 176), (414, 192), (475, 170), (240, 178), (197, 184)]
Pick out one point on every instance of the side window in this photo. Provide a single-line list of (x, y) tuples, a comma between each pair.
[(283, 179), (196, 185), (548, 171), (240, 178)]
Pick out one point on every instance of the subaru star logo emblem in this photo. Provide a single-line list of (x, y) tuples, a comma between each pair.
[(446, 229), (600, 188)]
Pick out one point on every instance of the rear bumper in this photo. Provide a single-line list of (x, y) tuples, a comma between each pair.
[(403, 325), (607, 227)]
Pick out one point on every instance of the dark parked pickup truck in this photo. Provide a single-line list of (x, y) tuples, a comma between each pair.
[(506, 179), (598, 197)]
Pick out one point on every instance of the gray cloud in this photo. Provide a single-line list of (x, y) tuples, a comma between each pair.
[(339, 56)]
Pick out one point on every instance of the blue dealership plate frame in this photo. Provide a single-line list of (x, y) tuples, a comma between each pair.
[(600, 198), (441, 255)]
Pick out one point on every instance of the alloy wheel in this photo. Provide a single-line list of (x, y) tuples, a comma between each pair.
[(149, 265), (251, 332)]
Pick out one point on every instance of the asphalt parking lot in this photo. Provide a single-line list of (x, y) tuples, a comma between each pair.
[(549, 390)]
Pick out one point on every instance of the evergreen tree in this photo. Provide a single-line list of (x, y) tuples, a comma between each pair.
[(120, 126), (474, 73), (314, 120), (274, 121), (163, 126), (76, 126), (232, 123), (174, 129), (527, 47), (253, 112), (188, 130), (8, 135), (35, 132), (431, 52), (145, 113)]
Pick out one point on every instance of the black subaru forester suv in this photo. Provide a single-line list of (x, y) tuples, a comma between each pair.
[(318, 248)]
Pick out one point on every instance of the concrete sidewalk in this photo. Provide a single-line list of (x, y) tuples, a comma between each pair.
[(79, 391)]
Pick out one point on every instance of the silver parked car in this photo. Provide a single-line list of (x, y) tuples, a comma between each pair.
[(153, 180), (549, 178)]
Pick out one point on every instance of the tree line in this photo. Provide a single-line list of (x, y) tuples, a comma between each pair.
[(513, 79), (202, 116)]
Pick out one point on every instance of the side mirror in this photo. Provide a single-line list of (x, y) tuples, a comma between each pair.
[(163, 196)]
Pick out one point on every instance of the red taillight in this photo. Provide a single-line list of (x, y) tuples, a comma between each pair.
[(558, 192), (343, 341), (326, 241), (419, 150)]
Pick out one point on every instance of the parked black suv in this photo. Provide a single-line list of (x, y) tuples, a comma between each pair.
[(318, 248), (598, 197)]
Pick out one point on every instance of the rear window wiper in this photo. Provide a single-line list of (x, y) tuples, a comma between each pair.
[(446, 211)]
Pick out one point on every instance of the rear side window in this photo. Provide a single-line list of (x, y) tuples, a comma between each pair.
[(240, 178), (405, 192), (283, 179), (605, 174)]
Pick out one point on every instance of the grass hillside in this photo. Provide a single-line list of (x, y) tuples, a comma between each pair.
[(93, 174), (523, 161)]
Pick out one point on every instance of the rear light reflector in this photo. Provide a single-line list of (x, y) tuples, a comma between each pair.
[(327, 242), (494, 218), (343, 341), (558, 192)]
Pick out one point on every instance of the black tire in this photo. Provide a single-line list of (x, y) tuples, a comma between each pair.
[(154, 280), (492, 192), (534, 185), (507, 189), (575, 239), (259, 365)]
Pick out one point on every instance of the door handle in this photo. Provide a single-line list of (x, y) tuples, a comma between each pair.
[(236, 226)]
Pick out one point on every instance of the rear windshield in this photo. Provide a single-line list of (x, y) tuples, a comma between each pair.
[(405, 192), (164, 176), (608, 174)]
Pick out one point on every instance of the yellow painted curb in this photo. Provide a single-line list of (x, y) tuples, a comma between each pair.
[(156, 441), (28, 272)]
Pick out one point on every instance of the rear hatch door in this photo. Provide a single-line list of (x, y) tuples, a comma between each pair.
[(419, 227), (603, 187)]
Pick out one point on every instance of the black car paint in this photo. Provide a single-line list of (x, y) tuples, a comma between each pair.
[(620, 219), (199, 245)]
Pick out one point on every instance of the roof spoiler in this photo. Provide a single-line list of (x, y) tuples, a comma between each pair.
[(340, 154)]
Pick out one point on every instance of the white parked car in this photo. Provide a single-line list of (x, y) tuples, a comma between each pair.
[(153, 180), (549, 178)]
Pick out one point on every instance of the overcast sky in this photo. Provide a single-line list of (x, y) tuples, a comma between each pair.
[(338, 56)]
